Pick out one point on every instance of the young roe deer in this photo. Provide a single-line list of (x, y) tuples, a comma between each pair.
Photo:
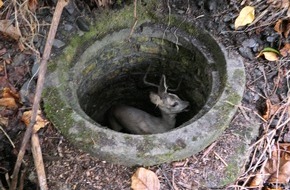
[(137, 121)]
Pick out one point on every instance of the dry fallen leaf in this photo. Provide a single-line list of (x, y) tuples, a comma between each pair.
[(7, 28), (283, 27), (270, 110), (282, 160), (246, 16), (9, 98), (144, 179), (8, 93), (1, 3), (270, 54), (40, 121), (277, 168), (104, 3), (32, 5), (8, 102), (285, 50), (278, 26)]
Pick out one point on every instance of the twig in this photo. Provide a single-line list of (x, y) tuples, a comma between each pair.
[(166, 178), (1, 186), (38, 161), (208, 149), (173, 181), (22, 179), (169, 20), (7, 137), (135, 19), (221, 159), (39, 87)]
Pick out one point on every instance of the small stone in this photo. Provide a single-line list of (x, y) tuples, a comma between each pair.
[(249, 43), (82, 24), (70, 7), (271, 38), (18, 59), (246, 53), (227, 18), (80, 33), (287, 137), (26, 92), (68, 27), (211, 5), (180, 12), (58, 43), (257, 72), (232, 26)]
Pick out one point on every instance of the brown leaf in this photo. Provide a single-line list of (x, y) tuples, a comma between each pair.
[(1, 3), (283, 174), (285, 50), (287, 30), (8, 93), (283, 27), (104, 3), (4, 82), (32, 5), (9, 98), (8, 102), (271, 167), (258, 180), (40, 121), (144, 179), (278, 26), (7, 28), (270, 110), (277, 168), (2, 68)]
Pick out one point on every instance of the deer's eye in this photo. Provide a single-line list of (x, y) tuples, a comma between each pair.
[(174, 104)]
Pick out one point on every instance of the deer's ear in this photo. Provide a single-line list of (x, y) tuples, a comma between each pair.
[(155, 99), (162, 86)]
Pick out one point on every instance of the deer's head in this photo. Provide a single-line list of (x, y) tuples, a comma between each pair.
[(167, 102)]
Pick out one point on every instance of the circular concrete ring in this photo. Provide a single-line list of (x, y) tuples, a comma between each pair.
[(72, 77)]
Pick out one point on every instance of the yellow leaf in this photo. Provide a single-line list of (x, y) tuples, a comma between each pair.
[(40, 121), (271, 56), (8, 93), (8, 102), (1, 3), (246, 16), (144, 179)]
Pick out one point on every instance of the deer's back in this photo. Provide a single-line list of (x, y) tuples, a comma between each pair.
[(136, 121)]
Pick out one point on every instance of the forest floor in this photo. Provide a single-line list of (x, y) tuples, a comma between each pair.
[(67, 167)]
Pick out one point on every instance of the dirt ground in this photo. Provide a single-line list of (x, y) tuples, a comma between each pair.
[(67, 167)]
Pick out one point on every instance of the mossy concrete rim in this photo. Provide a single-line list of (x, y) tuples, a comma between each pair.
[(63, 109)]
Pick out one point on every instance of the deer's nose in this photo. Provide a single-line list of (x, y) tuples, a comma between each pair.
[(187, 106)]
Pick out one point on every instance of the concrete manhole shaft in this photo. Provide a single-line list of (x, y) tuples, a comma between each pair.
[(110, 71)]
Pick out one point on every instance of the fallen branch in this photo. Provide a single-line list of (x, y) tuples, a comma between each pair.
[(42, 70), (135, 19), (38, 161)]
